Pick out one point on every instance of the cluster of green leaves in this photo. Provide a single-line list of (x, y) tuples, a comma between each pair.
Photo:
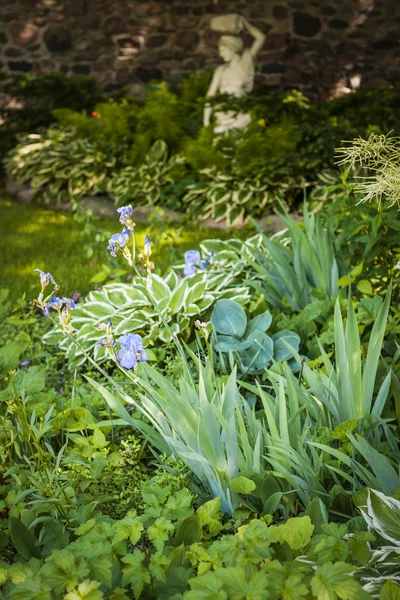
[(291, 270), (150, 182), (229, 198), (38, 97), (323, 435), (228, 177), (253, 349), (60, 166), (169, 550), (153, 310)]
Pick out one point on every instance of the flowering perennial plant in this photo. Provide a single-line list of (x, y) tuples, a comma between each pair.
[(131, 351), (62, 306), (131, 347)]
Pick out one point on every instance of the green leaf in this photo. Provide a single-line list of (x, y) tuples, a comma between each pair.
[(344, 281), (206, 587), (260, 353), (357, 270), (390, 591), (334, 581), (272, 503), (281, 351), (242, 485), (296, 532), (87, 590), (229, 318), (259, 323), (189, 531), (134, 573), (159, 532), (364, 286), (318, 513), (130, 527), (24, 541)]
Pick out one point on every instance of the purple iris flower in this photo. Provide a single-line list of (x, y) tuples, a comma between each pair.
[(69, 303), (192, 258), (131, 351), (45, 278), (118, 241), (209, 259), (147, 246), (124, 213), (55, 302)]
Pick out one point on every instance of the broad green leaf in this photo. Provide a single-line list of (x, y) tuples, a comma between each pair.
[(229, 318), (390, 591), (364, 286), (334, 581), (242, 485), (23, 539), (259, 323), (189, 531)]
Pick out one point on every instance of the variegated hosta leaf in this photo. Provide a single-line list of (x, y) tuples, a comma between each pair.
[(149, 308)]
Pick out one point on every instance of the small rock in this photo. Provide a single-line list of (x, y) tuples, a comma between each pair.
[(306, 25), (57, 39), (23, 33)]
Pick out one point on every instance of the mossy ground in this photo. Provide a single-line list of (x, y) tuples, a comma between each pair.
[(32, 237)]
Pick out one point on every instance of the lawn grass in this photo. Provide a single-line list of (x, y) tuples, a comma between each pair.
[(32, 237)]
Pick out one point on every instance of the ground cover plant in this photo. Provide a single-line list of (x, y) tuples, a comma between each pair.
[(212, 417), (156, 151)]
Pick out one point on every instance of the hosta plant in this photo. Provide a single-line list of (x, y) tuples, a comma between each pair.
[(252, 348), (382, 515), (154, 308), (144, 184), (228, 197), (59, 165)]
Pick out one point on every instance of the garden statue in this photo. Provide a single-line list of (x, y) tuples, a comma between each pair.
[(236, 76)]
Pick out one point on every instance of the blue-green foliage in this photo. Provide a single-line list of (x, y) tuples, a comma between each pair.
[(251, 346)]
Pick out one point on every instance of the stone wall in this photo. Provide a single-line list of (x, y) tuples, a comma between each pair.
[(319, 46)]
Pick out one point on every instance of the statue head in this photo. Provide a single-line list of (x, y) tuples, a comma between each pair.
[(229, 46)]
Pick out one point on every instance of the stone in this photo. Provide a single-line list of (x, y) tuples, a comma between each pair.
[(388, 44), (184, 22), (149, 74), (155, 41), (7, 17), (114, 25), (338, 24), (40, 21), (88, 22), (275, 41), (76, 8), (123, 76), (23, 34), (280, 13), (20, 65), (187, 39), (48, 65), (273, 223), (81, 69), (328, 11), (306, 25), (151, 8), (57, 39), (13, 52), (101, 206), (273, 68)]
